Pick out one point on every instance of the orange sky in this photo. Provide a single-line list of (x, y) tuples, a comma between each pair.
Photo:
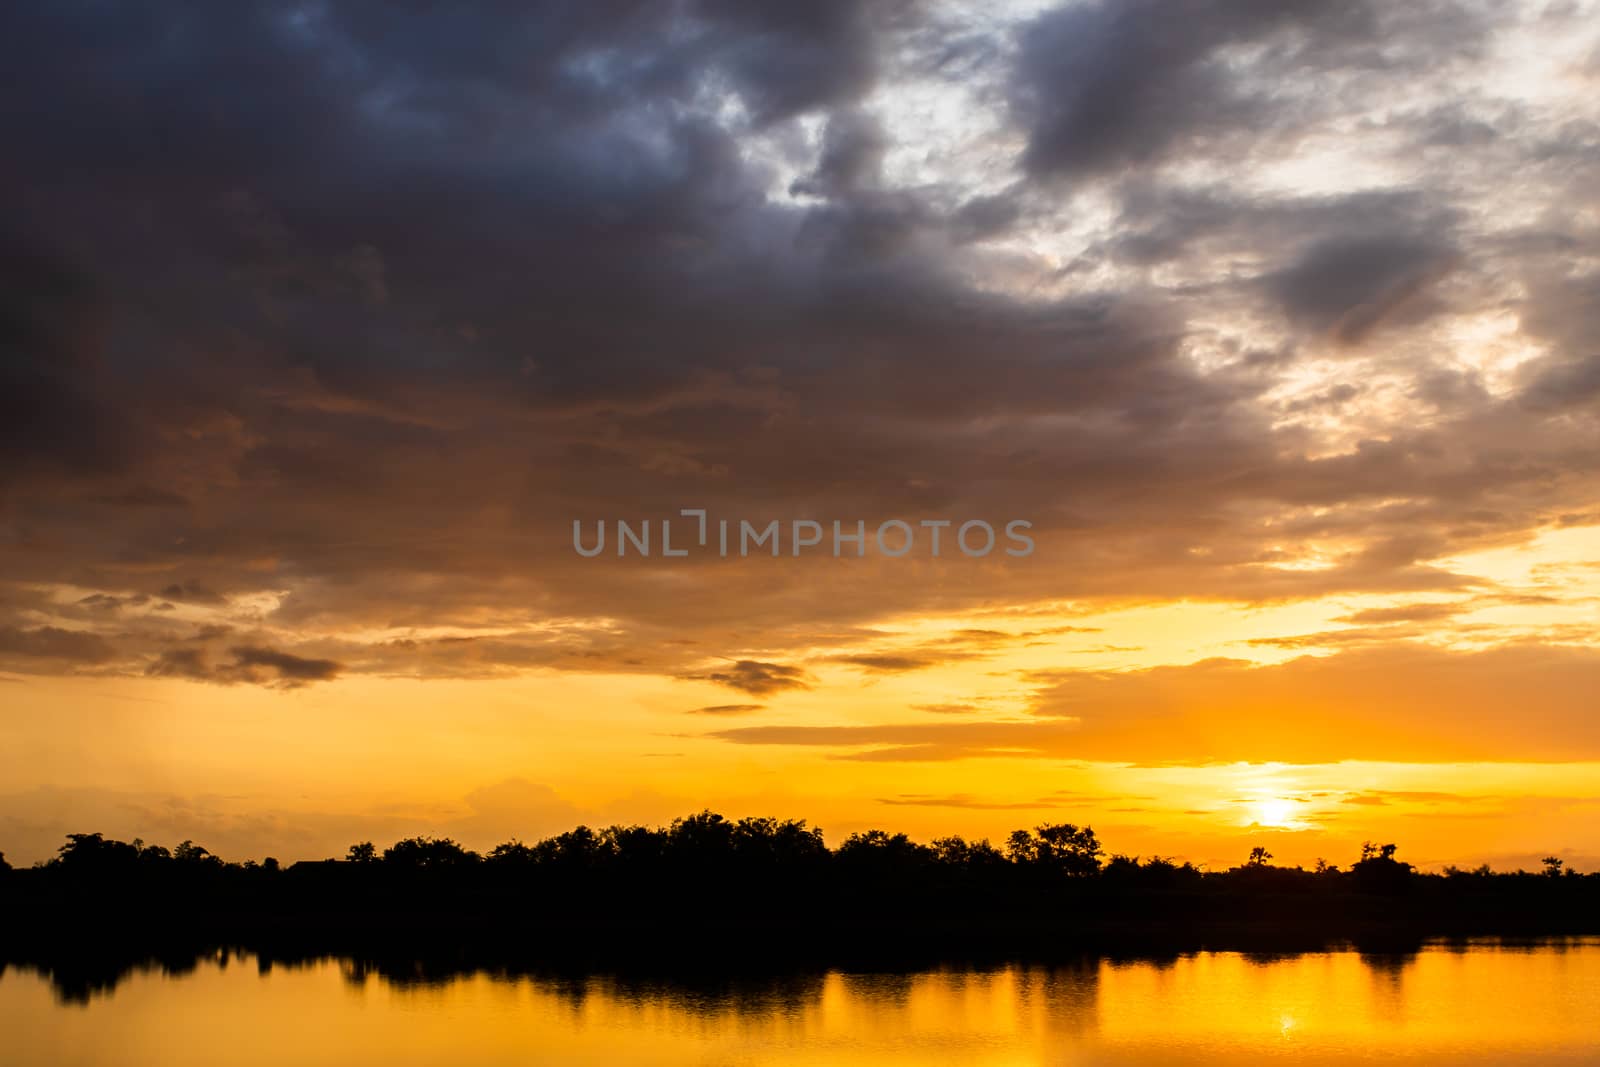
[(321, 329), (1192, 729)]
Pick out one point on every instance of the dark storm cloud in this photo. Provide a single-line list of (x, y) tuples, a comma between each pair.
[(331, 319), (1348, 287), (1107, 85), (851, 156), (1104, 85), (1337, 268), (56, 415), (789, 58)]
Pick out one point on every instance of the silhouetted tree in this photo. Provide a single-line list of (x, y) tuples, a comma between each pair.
[(883, 867), (882, 848), (1480, 871), (93, 854), (152, 855), (972, 856), (427, 853), (772, 844), (191, 853), (704, 836), (772, 876), (1379, 871), (512, 853), (1121, 869), (1059, 848), (579, 849), (1380, 852)]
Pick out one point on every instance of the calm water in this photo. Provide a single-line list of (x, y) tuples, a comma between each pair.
[(1478, 1004)]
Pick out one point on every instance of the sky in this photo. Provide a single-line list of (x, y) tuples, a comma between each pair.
[(1278, 324)]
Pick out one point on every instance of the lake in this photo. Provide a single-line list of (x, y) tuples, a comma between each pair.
[(1475, 1003)]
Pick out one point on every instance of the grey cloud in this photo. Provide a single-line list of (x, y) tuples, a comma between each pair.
[(851, 159), (249, 664), (787, 58), (1103, 85), (1564, 384), (1348, 287), (191, 663), (758, 678), (288, 668), (54, 643)]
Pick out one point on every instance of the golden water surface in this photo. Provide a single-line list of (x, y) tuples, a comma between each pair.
[(1482, 1003)]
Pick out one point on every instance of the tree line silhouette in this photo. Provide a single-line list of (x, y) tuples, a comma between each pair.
[(706, 879)]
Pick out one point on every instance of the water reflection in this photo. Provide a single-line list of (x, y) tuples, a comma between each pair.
[(1480, 1002)]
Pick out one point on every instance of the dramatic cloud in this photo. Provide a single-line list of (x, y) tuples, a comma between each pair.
[(1238, 301)]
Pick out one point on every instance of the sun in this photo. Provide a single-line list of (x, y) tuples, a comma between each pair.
[(1277, 812)]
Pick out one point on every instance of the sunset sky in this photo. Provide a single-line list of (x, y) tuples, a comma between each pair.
[(321, 324)]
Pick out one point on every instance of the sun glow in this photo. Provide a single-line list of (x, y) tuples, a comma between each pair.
[(1277, 812)]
